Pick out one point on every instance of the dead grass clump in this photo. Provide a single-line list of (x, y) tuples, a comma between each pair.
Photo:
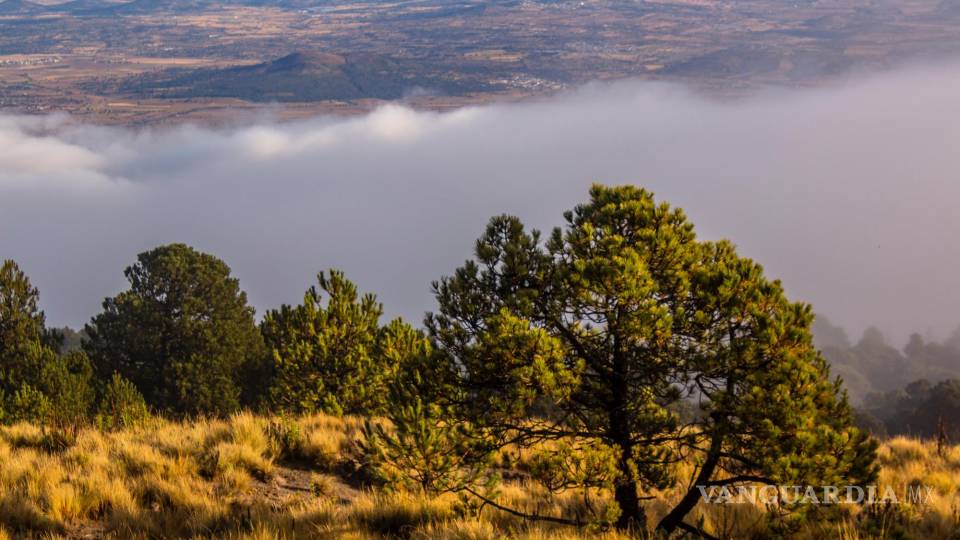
[(241, 444), (398, 514), (902, 450)]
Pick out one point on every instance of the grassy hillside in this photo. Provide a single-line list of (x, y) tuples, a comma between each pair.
[(254, 477)]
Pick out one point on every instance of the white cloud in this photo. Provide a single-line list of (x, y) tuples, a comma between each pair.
[(848, 194)]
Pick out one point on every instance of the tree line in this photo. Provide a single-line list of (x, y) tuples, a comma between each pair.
[(919, 409), (872, 366), (913, 391), (620, 338)]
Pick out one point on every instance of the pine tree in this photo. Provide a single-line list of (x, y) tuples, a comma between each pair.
[(598, 335), (334, 357), (420, 449), (36, 383), (21, 329), (183, 333)]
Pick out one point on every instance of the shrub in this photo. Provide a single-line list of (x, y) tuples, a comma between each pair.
[(335, 357), (422, 449), (28, 404), (121, 406), (286, 439), (66, 382)]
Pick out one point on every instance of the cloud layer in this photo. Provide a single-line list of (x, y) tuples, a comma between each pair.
[(848, 194)]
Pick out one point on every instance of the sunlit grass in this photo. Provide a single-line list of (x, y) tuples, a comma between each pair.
[(229, 479)]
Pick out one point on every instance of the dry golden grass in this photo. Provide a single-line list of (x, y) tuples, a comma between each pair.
[(230, 479)]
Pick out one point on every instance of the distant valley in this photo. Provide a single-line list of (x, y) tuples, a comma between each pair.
[(156, 61)]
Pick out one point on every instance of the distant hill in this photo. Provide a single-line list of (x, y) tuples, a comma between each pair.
[(743, 60), (153, 6), (86, 7), (134, 7), (445, 8), (872, 365), (949, 7), (301, 76), (20, 7)]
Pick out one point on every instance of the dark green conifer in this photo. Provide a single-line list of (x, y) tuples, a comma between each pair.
[(333, 356), (183, 333)]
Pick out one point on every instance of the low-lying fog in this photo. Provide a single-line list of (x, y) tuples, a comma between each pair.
[(848, 194)]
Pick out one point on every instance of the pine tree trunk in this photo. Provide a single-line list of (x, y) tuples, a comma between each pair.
[(631, 515), (675, 517), (625, 492)]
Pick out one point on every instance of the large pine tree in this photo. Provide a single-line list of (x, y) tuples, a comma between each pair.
[(182, 333), (599, 336)]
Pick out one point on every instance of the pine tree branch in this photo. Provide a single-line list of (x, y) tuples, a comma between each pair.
[(529, 517), (738, 479)]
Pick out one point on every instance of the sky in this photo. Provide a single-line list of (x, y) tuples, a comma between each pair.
[(847, 193)]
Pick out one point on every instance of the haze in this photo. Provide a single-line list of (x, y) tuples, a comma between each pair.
[(847, 194)]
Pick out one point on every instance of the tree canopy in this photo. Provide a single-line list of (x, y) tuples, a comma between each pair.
[(21, 328), (36, 383), (182, 333), (920, 409), (595, 337), (336, 357)]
